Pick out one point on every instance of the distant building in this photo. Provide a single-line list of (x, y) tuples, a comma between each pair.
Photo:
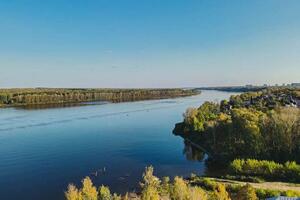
[(295, 84), (298, 102), (283, 198)]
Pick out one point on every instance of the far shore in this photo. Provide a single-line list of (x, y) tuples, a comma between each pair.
[(56, 97)]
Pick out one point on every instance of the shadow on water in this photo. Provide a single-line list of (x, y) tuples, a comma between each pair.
[(193, 153), (59, 105)]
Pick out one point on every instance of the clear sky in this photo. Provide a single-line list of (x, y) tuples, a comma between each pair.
[(148, 43)]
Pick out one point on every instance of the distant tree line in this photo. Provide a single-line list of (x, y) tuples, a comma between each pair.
[(235, 88), (248, 88), (59, 95)]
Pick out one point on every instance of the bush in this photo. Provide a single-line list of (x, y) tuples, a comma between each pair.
[(221, 193), (104, 193), (247, 192), (268, 169), (290, 193), (150, 185), (252, 179), (180, 189), (196, 193)]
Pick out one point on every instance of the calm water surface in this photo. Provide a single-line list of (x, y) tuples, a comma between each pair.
[(42, 150)]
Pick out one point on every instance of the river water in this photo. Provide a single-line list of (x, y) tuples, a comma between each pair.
[(42, 150)]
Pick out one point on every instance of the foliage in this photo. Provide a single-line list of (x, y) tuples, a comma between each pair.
[(221, 193), (150, 185), (36, 96), (289, 171), (261, 125), (197, 193), (197, 188), (210, 184), (165, 187), (104, 193), (244, 178), (89, 192), (116, 197), (180, 190), (73, 193), (247, 192)]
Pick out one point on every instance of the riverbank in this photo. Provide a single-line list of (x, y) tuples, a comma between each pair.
[(263, 190), (51, 96), (192, 188)]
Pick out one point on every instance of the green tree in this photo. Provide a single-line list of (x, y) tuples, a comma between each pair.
[(104, 193), (246, 128)]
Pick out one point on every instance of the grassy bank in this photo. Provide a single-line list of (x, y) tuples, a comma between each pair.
[(262, 190)]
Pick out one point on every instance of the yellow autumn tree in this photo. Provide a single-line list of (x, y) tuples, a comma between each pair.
[(196, 193), (221, 193), (180, 189), (247, 192), (89, 192), (104, 193), (73, 193), (150, 185)]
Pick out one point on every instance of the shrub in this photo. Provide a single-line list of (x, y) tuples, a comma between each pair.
[(196, 193), (247, 192), (221, 193), (267, 169), (73, 193), (180, 189), (150, 185), (104, 193)]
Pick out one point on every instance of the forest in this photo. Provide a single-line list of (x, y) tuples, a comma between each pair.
[(36, 96), (263, 125)]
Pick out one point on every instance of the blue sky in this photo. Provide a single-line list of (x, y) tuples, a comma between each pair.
[(153, 43)]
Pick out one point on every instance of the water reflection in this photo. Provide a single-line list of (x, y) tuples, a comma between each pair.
[(193, 153), (59, 105)]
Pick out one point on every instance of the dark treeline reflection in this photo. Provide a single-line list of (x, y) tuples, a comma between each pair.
[(59, 105), (193, 153)]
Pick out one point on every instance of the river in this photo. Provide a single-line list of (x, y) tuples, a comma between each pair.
[(42, 150)]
